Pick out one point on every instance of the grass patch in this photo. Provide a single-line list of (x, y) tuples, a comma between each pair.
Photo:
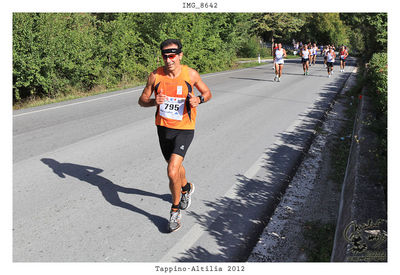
[(340, 146), (75, 94), (318, 238), (339, 152)]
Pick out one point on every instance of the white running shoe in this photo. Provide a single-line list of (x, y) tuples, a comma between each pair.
[(186, 198), (174, 220)]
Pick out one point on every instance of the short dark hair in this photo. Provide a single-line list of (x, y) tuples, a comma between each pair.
[(169, 42)]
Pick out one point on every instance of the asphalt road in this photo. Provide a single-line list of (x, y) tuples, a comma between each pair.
[(90, 184)]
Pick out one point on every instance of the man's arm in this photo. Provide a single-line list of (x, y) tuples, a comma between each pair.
[(144, 99), (201, 87)]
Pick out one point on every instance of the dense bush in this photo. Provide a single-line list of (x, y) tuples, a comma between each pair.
[(52, 52), (378, 89), (250, 48), (56, 53), (377, 80)]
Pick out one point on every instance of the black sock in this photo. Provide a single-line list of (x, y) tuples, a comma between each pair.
[(174, 207), (186, 188)]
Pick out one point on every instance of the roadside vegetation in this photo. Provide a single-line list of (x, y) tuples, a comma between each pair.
[(318, 240), (371, 82), (377, 78), (60, 56)]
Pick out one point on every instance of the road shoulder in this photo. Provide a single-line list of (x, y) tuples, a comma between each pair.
[(309, 207)]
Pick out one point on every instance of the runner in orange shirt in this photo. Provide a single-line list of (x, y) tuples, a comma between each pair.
[(176, 105)]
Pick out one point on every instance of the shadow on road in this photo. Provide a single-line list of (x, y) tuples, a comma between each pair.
[(108, 189), (236, 222), (254, 79)]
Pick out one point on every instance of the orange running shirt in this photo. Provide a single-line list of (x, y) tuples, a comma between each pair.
[(175, 112)]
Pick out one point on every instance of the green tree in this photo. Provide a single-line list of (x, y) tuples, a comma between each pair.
[(272, 26), (323, 28), (367, 31)]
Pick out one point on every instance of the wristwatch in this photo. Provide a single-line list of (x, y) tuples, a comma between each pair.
[(201, 99)]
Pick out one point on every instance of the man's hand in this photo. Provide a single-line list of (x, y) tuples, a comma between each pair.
[(194, 100), (160, 97)]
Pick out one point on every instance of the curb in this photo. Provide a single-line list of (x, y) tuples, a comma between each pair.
[(361, 228), (297, 159)]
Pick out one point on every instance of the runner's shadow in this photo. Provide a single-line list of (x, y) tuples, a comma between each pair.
[(108, 189)]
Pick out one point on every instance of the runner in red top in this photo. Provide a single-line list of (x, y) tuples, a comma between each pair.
[(343, 55)]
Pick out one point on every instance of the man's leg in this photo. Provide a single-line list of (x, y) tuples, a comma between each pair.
[(182, 173), (177, 177), (175, 185)]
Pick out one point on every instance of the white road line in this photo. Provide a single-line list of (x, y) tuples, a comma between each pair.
[(104, 97), (184, 243), (187, 241), (76, 103)]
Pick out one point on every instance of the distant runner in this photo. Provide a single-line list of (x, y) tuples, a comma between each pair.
[(280, 53), (305, 58), (176, 105), (314, 53), (330, 59), (343, 55)]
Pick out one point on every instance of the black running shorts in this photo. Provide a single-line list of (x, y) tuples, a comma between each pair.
[(330, 64), (174, 141), (304, 60)]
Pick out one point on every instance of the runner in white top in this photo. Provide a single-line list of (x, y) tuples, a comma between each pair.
[(330, 59), (305, 57), (280, 53), (314, 53)]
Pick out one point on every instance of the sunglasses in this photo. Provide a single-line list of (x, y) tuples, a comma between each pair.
[(171, 56)]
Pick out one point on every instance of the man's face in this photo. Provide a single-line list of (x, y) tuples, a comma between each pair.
[(171, 60)]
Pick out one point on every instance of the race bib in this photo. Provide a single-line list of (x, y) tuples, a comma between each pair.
[(172, 108)]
